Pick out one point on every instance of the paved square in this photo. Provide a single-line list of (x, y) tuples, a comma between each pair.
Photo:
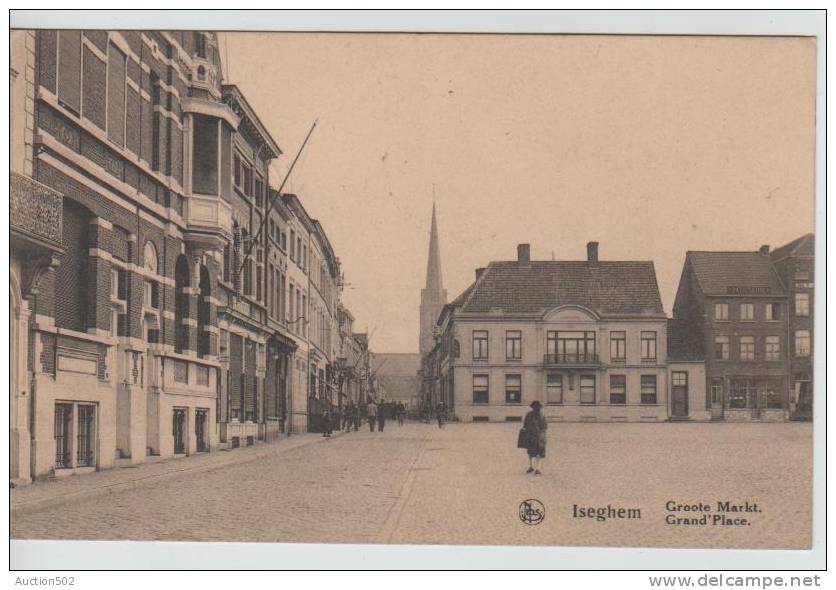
[(464, 484)]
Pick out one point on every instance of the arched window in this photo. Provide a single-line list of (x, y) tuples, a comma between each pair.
[(457, 349), (150, 260), (151, 289)]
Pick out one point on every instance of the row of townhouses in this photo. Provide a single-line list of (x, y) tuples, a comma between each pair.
[(164, 299), (591, 341)]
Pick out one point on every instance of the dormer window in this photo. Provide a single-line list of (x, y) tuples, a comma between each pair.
[(201, 74)]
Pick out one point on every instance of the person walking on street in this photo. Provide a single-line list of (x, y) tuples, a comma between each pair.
[(441, 414), (535, 427), (347, 416), (356, 416), (371, 413), (401, 413), (381, 416), (327, 428)]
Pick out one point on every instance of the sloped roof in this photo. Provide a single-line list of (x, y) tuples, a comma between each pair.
[(609, 288), (395, 363), (717, 271), (464, 295), (803, 246), (682, 343)]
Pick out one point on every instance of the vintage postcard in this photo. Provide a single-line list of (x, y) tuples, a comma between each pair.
[(395, 288)]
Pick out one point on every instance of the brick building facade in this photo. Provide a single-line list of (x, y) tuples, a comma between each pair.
[(795, 264), (750, 315), (588, 339), (149, 291)]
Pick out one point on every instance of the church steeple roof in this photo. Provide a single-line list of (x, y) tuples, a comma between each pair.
[(433, 295), (434, 284)]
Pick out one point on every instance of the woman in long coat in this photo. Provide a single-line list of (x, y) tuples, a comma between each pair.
[(535, 426)]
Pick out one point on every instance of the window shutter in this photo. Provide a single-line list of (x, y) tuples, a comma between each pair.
[(235, 358)]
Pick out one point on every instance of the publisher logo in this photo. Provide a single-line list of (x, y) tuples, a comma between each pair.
[(532, 511)]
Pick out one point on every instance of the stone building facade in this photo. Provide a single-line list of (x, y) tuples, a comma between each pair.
[(352, 367), (587, 338), (149, 290)]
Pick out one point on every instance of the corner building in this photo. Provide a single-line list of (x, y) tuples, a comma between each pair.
[(150, 305)]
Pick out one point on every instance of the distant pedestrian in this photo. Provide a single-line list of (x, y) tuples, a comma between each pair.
[(535, 427), (371, 413), (401, 413), (348, 416), (357, 416), (441, 415), (381, 416), (327, 428)]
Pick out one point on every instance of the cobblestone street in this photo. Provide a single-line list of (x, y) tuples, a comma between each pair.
[(464, 484)]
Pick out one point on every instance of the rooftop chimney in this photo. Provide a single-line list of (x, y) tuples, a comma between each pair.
[(479, 272), (523, 253), (592, 251), (764, 249)]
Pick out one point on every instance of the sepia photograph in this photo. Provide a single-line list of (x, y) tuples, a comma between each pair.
[(413, 287)]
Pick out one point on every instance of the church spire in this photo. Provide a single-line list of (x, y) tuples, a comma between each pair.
[(434, 283), (433, 295)]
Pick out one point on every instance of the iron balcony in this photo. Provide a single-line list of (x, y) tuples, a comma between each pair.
[(572, 359)]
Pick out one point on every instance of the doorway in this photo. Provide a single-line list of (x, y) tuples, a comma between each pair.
[(200, 420), (179, 431), (679, 394), (717, 395), (63, 432)]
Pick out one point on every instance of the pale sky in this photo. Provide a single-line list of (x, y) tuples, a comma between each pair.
[(650, 145)]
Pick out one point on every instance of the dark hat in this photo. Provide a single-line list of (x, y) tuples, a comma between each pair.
[(535, 404)]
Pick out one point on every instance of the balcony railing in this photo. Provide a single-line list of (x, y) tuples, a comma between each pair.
[(572, 359), (35, 210)]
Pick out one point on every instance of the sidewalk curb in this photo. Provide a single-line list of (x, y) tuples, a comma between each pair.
[(104, 490)]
